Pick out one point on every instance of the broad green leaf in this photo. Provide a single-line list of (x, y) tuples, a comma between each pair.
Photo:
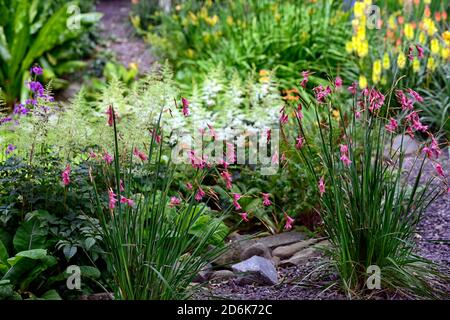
[(51, 295), (3, 253), (30, 235)]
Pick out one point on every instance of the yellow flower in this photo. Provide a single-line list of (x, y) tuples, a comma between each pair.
[(431, 65), (190, 53), (361, 34), (376, 71), (203, 13), (401, 60), (445, 53), (383, 81), (427, 1), (336, 114), (230, 20), (349, 46), (362, 48), (193, 18), (358, 9), (446, 36), (386, 61), (391, 22), (264, 79), (362, 82), (434, 46), (422, 38), (429, 26), (409, 31), (416, 65)]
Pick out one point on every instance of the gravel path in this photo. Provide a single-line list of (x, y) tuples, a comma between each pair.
[(433, 236), (120, 35)]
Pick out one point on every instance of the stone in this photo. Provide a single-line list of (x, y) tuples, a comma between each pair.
[(322, 245), (284, 252), (409, 146), (204, 275), (257, 249), (276, 261), (231, 254), (282, 239), (256, 270), (222, 275), (301, 257)]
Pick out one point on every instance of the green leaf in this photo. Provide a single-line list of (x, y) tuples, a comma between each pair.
[(3, 253), (30, 235), (51, 295), (34, 254)]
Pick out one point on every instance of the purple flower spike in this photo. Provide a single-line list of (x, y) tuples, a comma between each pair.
[(10, 148), (36, 70)]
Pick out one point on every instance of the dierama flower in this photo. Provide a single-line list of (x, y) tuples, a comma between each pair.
[(107, 158), (236, 197), (321, 93), (65, 175), (353, 88), (392, 125), (283, 116), (127, 201), (185, 104), (155, 136), (244, 216), (189, 186), (266, 201), (338, 82), (174, 201), (200, 194), (415, 95), (439, 170), (275, 158), (321, 186), (109, 113), (121, 186), (141, 155), (289, 222), (227, 177), (231, 154), (112, 199), (298, 112), (299, 142), (268, 134), (420, 54), (305, 75)]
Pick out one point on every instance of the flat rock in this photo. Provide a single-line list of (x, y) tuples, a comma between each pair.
[(256, 249), (257, 270), (301, 257), (282, 239), (222, 275), (284, 252)]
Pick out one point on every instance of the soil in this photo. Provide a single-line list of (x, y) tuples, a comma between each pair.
[(316, 280), (120, 35)]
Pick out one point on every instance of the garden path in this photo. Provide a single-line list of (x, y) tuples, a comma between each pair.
[(120, 35)]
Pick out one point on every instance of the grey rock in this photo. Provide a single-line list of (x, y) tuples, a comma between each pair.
[(257, 270), (322, 245), (301, 257), (409, 146), (276, 261), (282, 239), (222, 275), (230, 255), (257, 249), (284, 252), (204, 275)]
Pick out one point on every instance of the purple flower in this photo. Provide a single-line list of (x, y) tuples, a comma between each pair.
[(31, 102), (10, 148), (20, 109), (36, 87), (5, 119), (37, 70)]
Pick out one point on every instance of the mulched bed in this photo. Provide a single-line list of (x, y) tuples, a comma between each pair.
[(433, 236)]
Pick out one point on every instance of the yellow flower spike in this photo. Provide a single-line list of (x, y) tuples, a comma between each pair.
[(203, 13), (401, 60), (358, 9), (230, 20), (367, 2), (391, 22), (336, 114), (361, 34), (409, 31), (349, 46), (355, 23), (386, 61), (445, 53), (446, 36), (362, 82), (416, 65), (190, 53), (363, 48), (429, 26), (427, 1), (431, 64), (422, 38), (193, 18), (434, 46), (383, 80), (376, 71)]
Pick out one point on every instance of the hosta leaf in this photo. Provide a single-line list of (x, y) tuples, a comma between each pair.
[(30, 235)]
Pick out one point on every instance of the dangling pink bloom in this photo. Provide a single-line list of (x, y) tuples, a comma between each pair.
[(392, 125), (244, 216), (227, 177), (298, 112), (283, 157), (266, 201), (275, 158), (375, 97), (410, 132), (338, 82), (353, 88), (268, 134), (127, 201), (212, 133), (415, 95), (407, 104), (92, 155), (410, 54), (110, 113), (345, 160), (141, 155), (439, 170), (112, 199), (321, 186), (321, 93), (289, 222), (305, 80), (121, 186), (185, 104), (435, 147), (283, 116), (231, 154), (413, 118), (236, 197), (420, 54), (343, 148), (65, 176), (200, 194), (155, 136), (174, 201), (223, 163), (107, 158), (189, 186), (299, 142), (357, 114)]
